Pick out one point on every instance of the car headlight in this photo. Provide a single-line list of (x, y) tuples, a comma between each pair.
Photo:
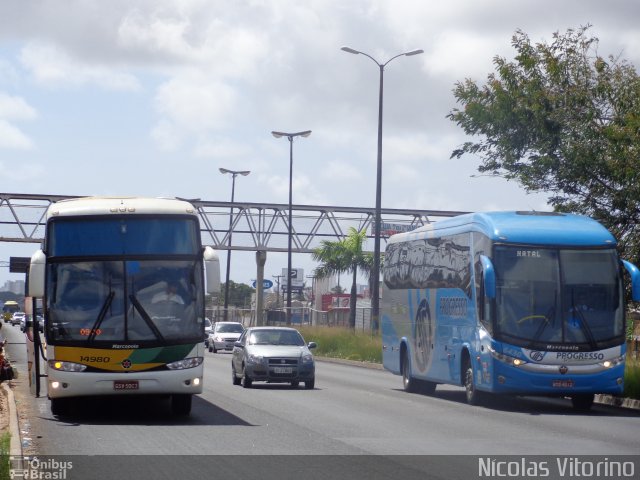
[(67, 366), (252, 358), (307, 358), (185, 363)]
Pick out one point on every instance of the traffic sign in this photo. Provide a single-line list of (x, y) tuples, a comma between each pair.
[(266, 284)]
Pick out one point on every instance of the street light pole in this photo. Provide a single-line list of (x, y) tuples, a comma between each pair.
[(290, 137), (234, 174), (375, 270)]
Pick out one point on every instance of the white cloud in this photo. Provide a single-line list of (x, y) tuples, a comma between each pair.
[(192, 105), (54, 67), (20, 173), (221, 148), (12, 109), (15, 108), (12, 137)]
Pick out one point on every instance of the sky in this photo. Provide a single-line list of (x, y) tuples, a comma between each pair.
[(152, 97)]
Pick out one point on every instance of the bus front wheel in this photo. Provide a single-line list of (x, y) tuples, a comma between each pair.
[(472, 394), (181, 404), (582, 402), (408, 382), (60, 407)]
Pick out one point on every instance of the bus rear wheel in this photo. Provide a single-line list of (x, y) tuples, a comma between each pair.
[(583, 402), (181, 404)]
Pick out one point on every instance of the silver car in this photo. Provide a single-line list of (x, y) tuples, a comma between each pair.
[(224, 335), (275, 355)]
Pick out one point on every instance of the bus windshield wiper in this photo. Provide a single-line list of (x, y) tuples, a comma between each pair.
[(584, 325), (101, 315), (147, 319), (550, 314)]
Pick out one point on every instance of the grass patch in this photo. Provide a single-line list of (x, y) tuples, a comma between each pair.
[(632, 379), (5, 440), (344, 343)]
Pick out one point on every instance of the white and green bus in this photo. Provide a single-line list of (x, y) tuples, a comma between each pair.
[(122, 283)]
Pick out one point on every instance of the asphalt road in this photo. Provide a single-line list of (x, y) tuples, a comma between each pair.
[(352, 412)]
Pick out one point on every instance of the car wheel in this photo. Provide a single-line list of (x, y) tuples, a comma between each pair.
[(310, 384), (215, 350), (234, 377), (246, 379)]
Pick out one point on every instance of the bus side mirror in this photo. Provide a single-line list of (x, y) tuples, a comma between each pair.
[(489, 277), (635, 280), (36, 274), (212, 270)]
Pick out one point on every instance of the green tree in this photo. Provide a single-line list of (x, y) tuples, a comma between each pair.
[(561, 119), (344, 256), (239, 294)]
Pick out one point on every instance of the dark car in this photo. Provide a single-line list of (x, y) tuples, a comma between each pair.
[(274, 355)]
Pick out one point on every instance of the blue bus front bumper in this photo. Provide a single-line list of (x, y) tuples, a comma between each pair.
[(518, 380)]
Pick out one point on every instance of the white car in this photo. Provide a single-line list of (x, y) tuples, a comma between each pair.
[(17, 318), (208, 329), (224, 336)]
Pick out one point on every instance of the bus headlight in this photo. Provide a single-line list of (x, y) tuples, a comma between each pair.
[(612, 362), (185, 363), (516, 362), (66, 366)]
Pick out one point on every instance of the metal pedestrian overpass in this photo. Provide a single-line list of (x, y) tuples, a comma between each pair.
[(253, 227)]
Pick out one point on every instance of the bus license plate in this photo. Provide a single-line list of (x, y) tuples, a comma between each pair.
[(282, 370), (125, 384), (563, 383)]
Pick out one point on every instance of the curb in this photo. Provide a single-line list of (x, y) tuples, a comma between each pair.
[(15, 446), (354, 363), (620, 402)]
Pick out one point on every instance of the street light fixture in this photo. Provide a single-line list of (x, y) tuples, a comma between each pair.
[(234, 174), (290, 137), (375, 271)]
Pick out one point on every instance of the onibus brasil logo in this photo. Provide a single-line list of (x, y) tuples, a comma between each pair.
[(39, 468)]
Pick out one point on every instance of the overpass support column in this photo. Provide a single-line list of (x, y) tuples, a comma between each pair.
[(261, 258)]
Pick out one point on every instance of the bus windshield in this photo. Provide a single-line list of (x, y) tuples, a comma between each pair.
[(146, 302), (556, 299)]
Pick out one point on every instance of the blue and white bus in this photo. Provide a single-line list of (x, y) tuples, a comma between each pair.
[(122, 282), (523, 303)]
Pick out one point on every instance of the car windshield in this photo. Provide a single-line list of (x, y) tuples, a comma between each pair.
[(276, 337), (229, 328)]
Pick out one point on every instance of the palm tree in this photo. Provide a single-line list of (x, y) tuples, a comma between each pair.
[(344, 256)]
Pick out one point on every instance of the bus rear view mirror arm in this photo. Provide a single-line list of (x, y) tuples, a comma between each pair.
[(635, 280), (489, 277)]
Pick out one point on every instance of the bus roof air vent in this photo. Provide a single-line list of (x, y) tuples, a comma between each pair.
[(540, 214)]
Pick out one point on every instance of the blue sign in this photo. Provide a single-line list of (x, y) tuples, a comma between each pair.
[(266, 284)]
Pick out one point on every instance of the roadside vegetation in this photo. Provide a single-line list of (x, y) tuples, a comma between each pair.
[(344, 343), (5, 439), (632, 379)]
